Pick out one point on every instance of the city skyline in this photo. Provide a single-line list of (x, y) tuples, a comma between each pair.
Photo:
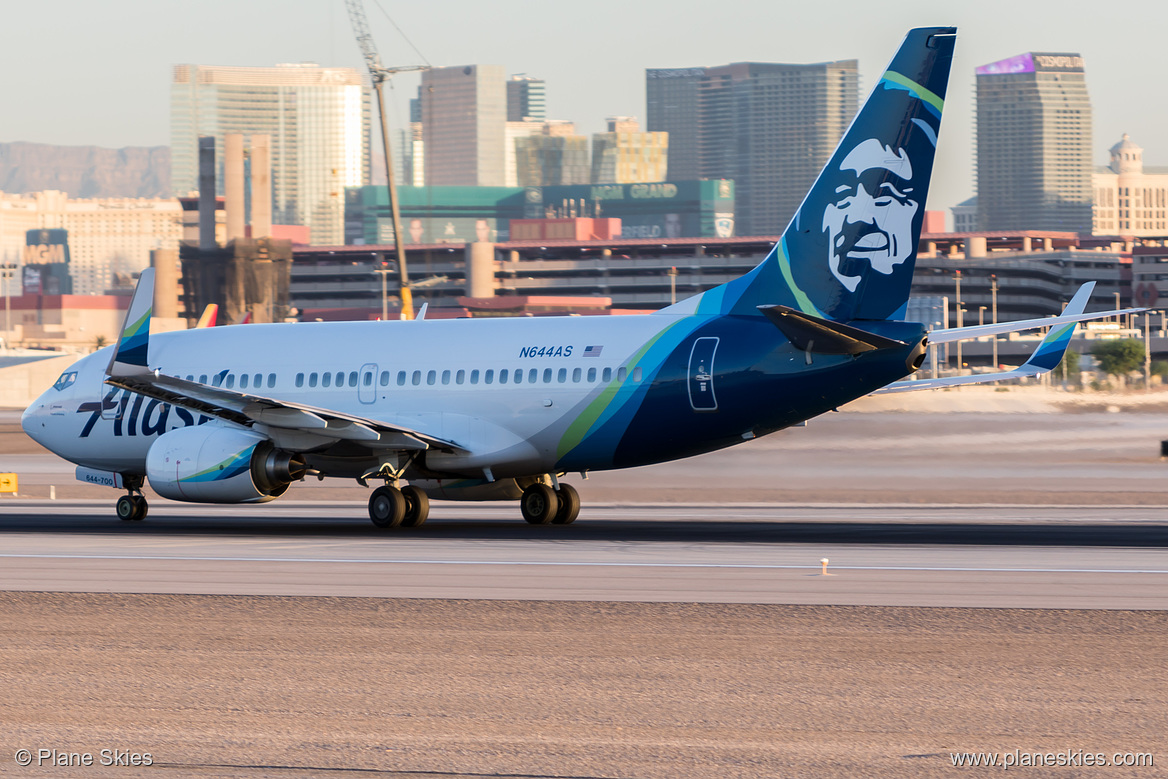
[(58, 100)]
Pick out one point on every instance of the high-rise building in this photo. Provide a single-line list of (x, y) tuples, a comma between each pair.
[(526, 99), (1034, 144), (318, 119), (556, 156), (770, 127), (625, 155), (107, 237), (1130, 198), (464, 113)]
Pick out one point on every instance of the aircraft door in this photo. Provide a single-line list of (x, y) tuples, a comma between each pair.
[(701, 375), (367, 383)]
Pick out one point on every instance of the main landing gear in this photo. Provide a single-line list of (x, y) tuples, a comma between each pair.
[(132, 507), (391, 507), (543, 505)]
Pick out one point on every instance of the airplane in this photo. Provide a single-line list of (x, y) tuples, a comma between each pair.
[(503, 409)]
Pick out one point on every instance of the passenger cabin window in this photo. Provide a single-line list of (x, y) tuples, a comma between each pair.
[(417, 378), (518, 375), (460, 377), (607, 375), (326, 380), (401, 378), (431, 377), (489, 376), (312, 379), (445, 377), (562, 375), (271, 380), (503, 376), (474, 377), (533, 376), (637, 373), (230, 381), (202, 378), (591, 375), (218, 380), (190, 377), (547, 375), (341, 379), (352, 379), (576, 374), (621, 373), (243, 381), (367, 379), (384, 380), (299, 379), (257, 380)]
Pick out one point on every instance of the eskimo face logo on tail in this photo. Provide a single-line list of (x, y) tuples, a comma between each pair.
[(853, 242), (870, 222)]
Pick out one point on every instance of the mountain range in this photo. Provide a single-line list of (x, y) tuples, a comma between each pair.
[(85, 171)]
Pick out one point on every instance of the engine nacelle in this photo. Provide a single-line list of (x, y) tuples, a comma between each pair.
[(211, 464)]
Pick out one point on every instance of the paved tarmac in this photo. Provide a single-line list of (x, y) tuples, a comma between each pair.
[(974, 556)]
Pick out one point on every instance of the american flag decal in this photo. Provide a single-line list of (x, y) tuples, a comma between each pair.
[(593, 351)]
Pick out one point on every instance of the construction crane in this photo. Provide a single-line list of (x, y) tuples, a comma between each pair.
[(379, 74)]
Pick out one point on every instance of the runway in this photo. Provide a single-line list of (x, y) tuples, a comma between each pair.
[(974, 556)]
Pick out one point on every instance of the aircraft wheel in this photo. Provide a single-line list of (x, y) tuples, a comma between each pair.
[(417, 507), (387, 507), (569, 509), (127, 508), (142, 508), (539, 504)]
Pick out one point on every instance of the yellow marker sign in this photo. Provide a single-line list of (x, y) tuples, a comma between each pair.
[(7, 482)]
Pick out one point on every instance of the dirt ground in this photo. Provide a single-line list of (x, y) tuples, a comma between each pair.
[(243, 687)]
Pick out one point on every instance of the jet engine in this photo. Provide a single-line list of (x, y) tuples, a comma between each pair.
[(212, 464)]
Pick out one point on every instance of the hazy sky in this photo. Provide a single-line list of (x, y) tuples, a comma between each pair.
[(98, 72)]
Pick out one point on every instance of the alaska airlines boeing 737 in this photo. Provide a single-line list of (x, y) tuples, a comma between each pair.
[(493, 409)]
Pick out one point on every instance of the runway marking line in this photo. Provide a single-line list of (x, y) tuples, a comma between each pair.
[(764, 566)]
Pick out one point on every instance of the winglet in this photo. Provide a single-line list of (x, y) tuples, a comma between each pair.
[(1054, 345), (133, 349)]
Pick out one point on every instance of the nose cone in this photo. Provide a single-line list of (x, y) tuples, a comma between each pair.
[(33, 420)]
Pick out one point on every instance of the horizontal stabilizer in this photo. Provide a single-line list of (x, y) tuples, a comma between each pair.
[(822, 336), (1046, 356)]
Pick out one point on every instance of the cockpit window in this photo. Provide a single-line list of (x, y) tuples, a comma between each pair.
[(66, 380)]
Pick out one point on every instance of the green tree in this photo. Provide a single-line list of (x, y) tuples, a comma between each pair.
[(1119, 358), (99, 342), (1160, 368)]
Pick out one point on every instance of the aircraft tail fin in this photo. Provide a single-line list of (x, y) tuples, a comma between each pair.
[(130, 356), (850, 249), (209, 317)]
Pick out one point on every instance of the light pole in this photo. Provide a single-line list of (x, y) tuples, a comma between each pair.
[(384, 270), (994, 296), (981, 315), (673, 285), (960, 319), (1147, 353)]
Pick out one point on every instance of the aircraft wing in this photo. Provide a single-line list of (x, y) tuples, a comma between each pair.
[(1072, 313), (129, 370), (1046, 356)]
